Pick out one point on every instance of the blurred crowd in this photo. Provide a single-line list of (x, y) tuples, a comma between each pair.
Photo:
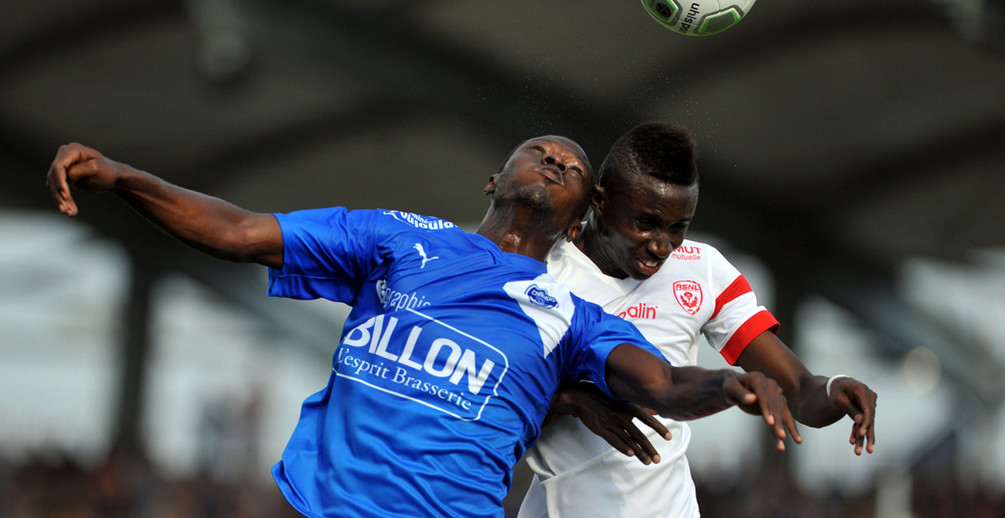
[(53, 486), (766, 494), (128, 486)]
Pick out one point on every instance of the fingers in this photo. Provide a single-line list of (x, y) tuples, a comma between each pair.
[(857, 433), (760, 395), (644, 449), (619, 431), (775, 410), (856, 438), (776, 414), (740, 394), (643, 452), (57, 183), (790, 424), (867, 425), (651, 421), (860, 404), (862, 437), (870, 442), (620, 442), (61, 175)]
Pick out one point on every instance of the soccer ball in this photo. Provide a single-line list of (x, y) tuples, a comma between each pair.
[(698, 17)]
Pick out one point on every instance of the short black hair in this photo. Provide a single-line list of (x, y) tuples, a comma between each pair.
[(663, 150)]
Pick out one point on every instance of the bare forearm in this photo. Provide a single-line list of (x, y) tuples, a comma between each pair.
[(804, 391), (206, 223), (691, 392), (694, 393), (809, 403), (681, 393)]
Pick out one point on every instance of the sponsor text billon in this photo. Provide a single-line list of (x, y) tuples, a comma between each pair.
[(422, 359)]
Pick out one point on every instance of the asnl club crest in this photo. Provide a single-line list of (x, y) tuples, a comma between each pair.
[(688, 294)]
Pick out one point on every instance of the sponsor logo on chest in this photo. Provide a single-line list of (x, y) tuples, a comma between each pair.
[(424, 360), (640, 311), (395, 300), (686, 253)]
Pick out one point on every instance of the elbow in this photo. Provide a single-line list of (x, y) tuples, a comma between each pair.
[(251, 249), (256, 241), (235, 244)]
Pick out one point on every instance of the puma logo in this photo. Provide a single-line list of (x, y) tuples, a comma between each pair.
[(422, 252)]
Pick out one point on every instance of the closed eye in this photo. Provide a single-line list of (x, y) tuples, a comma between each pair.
[(644, 224)]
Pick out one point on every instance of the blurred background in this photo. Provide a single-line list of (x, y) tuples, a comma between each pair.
[(853, 167)]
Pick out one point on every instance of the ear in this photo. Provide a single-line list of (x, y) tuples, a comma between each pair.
[(599, 200), (573, 231), (491, 187)]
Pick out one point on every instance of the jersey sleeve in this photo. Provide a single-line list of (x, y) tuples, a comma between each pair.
[(599, 333), (737, 318), (327, 253)]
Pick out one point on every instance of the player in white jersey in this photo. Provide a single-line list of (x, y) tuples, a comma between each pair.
[(632, 259)]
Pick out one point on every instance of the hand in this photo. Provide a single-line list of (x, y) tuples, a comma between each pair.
[(859, 402), (83, 168), (612, 420), (756, 394)]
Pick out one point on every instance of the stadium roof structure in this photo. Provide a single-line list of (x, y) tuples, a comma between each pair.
[(837, 138)]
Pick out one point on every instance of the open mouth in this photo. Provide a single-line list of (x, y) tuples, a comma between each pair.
[(649, 266)]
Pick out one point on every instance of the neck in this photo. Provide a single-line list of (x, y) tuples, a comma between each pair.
[(587, 237), (588, 241), (520, 232)]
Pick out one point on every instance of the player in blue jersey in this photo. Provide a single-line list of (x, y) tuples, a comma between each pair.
[(456, 341)]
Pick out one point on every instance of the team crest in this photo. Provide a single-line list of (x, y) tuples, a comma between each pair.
[(688, 295)]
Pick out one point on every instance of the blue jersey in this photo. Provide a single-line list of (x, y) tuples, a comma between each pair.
[(445, 367)]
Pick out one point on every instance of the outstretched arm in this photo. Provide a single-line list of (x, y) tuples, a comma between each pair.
[(208, 224), (807, 394), (686, 393)]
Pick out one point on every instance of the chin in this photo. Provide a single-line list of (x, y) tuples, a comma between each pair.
[(535, 198), (639, 276)]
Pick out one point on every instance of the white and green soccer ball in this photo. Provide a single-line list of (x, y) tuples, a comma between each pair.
[(698, 17)]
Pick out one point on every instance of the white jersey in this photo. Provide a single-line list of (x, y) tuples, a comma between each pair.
[(697, 291)]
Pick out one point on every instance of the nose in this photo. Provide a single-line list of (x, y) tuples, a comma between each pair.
[(551, 160), (660, 246)]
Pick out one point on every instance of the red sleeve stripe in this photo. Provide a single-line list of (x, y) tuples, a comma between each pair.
[(761, 321), (739, 287)]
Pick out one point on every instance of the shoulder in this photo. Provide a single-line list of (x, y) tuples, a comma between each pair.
[(701, 257), (569, 264), (412, 220), (324, 218), (543, 291)]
